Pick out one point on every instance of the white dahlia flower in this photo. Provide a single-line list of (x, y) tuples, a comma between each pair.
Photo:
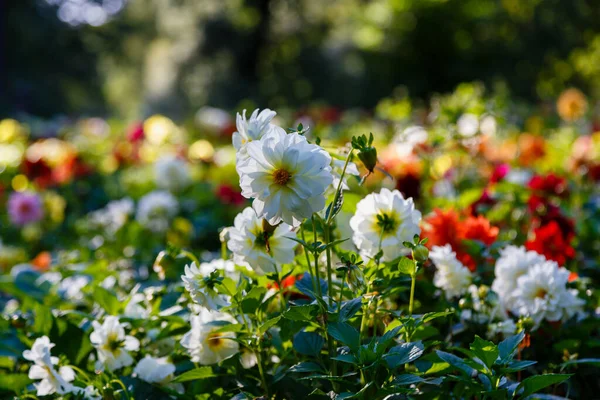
[(172, 174), (156, 210), (112, 344), (261, 250), (451, 275), (205, 344), (513, 262), (51, 380), (252, 129), (385, 217), (198, 282), (286, 176), (157, 370), (542, 294)]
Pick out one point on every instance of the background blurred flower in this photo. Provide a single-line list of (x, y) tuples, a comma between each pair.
[(571, 104), (205, 343), (25, 208), (451, 276), (156, 210)]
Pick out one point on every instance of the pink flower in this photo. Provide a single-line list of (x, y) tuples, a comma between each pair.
[(24, 208)]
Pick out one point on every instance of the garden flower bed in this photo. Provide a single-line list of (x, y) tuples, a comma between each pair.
[(447, 251)]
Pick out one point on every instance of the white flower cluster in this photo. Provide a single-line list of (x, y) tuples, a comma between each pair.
[(451, 275), (113, 216), (197, 282), (529, 285), (285, 175), (156, 210), (172, 174), (50, 380)]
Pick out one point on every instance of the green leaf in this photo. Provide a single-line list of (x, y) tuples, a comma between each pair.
[(434, 315), (594, 361), (253, 299), (307, 366), (346, 358), (406, 266), (344, 333), (194, 374), (14, 382), (107, 300), (485, 350), (308, 343), (508, 347), (403, 353), (457, 362), (536, 383), (307, 312), (270, 323), (515, 366), (407, 379), (42, 322), (334, 209), (349, 309)]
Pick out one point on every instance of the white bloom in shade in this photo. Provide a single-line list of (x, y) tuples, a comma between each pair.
[(248, 359), (388, 212), (205, 344), (261, 250), (451, 275), (505, 328), (71, 287), (542, 294), (444, 188), (513, 262), (252, 129), (200, 285), (337, 166), (156, 209), (112, 217), (172, 174), (467, 125), (286, 176), (136, 308), (51, 381), (112, 344), (405, 141), (87, 393), (157, 370)]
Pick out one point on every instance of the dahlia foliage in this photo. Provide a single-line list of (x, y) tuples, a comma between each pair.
[(302, 263)]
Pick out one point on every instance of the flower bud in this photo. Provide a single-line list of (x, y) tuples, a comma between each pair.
[(368, 156), (421, 253), (356, 278)]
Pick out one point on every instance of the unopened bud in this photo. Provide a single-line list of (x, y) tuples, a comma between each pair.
[(368, 156), (421, 253)]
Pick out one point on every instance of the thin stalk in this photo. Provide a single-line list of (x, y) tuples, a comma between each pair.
[(280, 288), (191, 256), (339, 187), (316, 256), (329, 272), (341, 292), (261, 371), (313, 276)]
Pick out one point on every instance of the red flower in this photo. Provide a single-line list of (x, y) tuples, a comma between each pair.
[(482, 204), (475, 228), (548, 185), (229, 195), (550, 241), (499, 173), (135, 133)]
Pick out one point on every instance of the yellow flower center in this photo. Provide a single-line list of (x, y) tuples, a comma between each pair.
[(281, 176), (540, 294), (215, 341)]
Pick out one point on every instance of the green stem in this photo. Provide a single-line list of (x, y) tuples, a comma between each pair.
[(122, 385), (316, 256), (280, 288), (340, 183), (261, 371), (313, 276), (341, 292), (191, 257), (329, 272)]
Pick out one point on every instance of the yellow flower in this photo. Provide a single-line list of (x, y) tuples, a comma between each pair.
[(571, 104)]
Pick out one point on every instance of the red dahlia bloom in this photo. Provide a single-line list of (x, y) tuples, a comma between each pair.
[(550, 241)]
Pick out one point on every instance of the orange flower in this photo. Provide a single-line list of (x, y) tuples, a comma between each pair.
[(442, 227), (42, 261), (571, 104), (479, 228), (531, 148)]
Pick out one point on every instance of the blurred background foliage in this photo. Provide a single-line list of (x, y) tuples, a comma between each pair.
[(132, 58)]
